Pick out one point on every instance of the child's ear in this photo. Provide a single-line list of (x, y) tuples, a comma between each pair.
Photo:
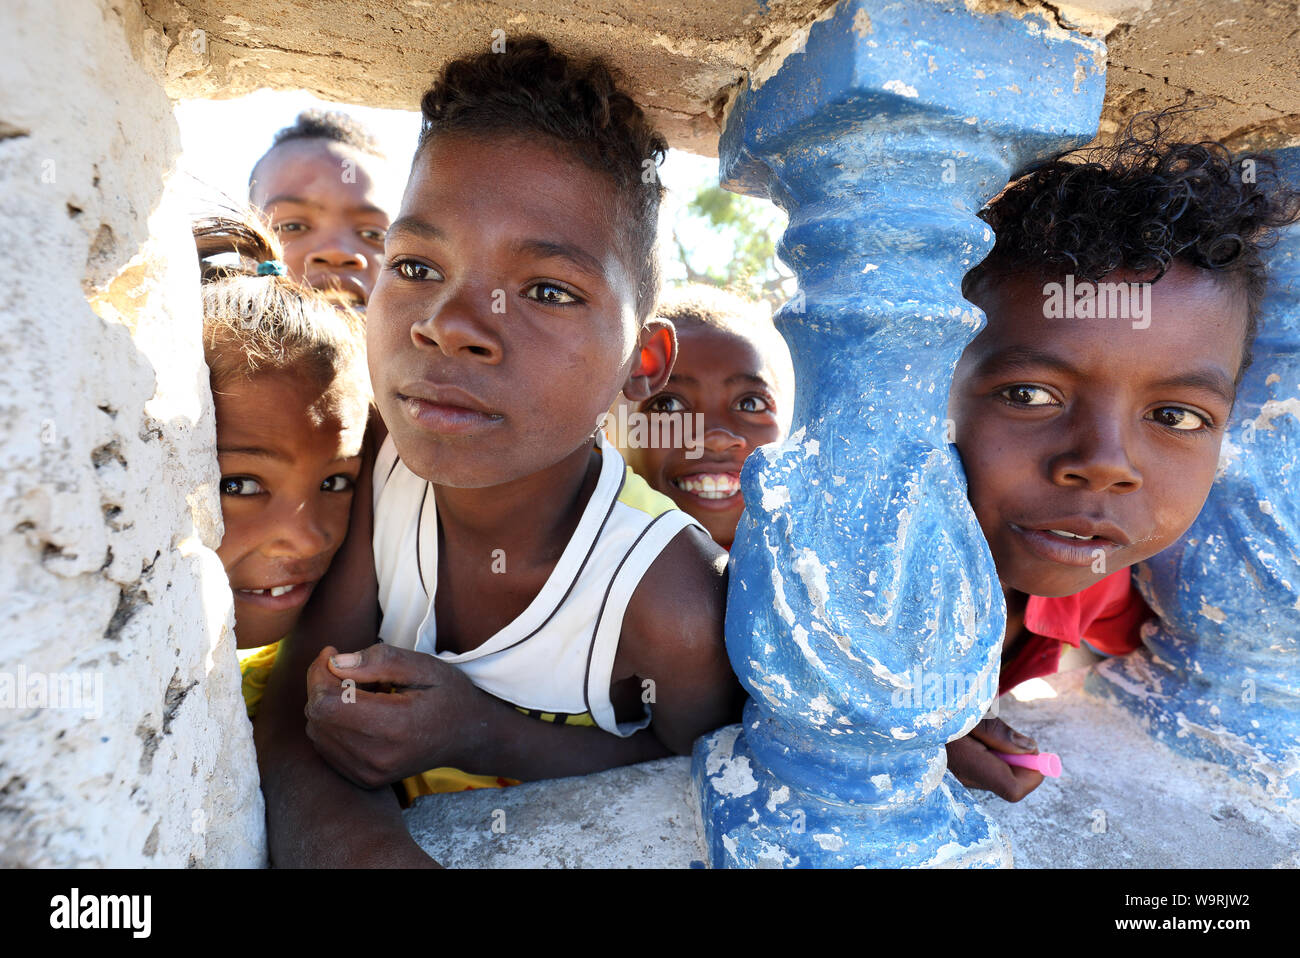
[(657, 353)]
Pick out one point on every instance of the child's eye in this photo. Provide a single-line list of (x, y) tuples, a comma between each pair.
[(373, 235), (665, 404), (338, 483), (550, 294), (289, 226), (1021, 395), (240, 486), (1176, 417), (753, 404), (412, 270)]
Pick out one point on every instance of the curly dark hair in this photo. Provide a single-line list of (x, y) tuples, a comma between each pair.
[(323, 125), (578, 105), (1141, 203)]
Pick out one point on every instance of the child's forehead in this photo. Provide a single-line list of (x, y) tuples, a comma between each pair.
[(733, 346), (1189, 317), (498, 191), (542, 174), (315, 163), (288, 408), (295, 391), (314, 149), (726, 353)]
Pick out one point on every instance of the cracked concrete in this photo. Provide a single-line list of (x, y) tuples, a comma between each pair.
[(1240, 60), (638, 816), (108, 578), (682, 60)]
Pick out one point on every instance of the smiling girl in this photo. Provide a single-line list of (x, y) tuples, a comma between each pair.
[(733, 372), (291, 392)]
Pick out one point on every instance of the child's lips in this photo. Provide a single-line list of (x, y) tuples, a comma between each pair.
[(446, 409), (340, 285), (290, 595), (1071, 542)]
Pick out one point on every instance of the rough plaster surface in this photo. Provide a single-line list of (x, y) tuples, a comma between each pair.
[(686, 60), (108, 505), (1238, 61), (1241, 59), (1123, 801), (639, 816), (683, 60)]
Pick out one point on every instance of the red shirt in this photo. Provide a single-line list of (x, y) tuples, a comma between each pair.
[(1108, 614)]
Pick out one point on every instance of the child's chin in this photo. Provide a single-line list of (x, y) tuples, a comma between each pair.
[(1052, 585), (452, 467), (256, 634), (720, 527), (474, 476)]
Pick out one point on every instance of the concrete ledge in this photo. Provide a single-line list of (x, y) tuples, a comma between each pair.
[(1123, 801), (639, 816)]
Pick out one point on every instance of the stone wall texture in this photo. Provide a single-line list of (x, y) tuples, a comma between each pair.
[(111, 597)]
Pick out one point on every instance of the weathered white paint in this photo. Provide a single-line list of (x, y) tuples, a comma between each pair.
[(108, 489)]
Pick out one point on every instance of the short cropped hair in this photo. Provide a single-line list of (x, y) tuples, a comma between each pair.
[(698, 304), (260, 323), (576, 104), (316, 124), (1140, 204)]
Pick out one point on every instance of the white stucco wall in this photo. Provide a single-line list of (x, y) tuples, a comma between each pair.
[(108, 506)]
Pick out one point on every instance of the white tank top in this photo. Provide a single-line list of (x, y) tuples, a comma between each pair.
[(557, 657)]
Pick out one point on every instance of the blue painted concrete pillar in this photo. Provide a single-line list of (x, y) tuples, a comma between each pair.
[(865, 617), (1219, 677)]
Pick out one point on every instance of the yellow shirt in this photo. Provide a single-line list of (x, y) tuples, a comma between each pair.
[(255, 670)]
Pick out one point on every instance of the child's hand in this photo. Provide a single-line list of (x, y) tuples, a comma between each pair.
[(972, 761), (377, 738)]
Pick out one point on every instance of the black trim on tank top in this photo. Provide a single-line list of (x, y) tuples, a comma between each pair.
[(595, 539), (419, 522), (582, 565), (591, 646)]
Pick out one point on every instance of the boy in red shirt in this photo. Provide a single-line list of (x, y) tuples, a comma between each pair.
[(1122, 295)]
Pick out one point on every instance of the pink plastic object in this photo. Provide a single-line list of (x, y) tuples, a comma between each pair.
[(1049, 763)]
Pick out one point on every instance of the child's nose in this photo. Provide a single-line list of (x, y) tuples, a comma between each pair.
[(457, 324), (337, 249), (718, 438), (298, 533), (1099, 461)]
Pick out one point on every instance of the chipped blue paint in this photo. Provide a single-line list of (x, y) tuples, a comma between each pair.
[(859, 566), (1219, 678)]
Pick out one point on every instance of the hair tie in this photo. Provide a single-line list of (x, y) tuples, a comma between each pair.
[(271, 267)]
